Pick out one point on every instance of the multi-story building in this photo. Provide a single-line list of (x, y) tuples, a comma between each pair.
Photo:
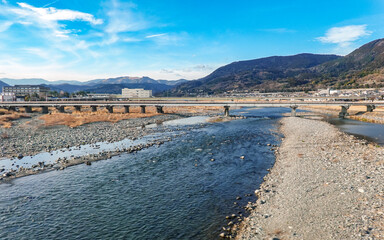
[(7, 97), (136, 93), (24, 90)]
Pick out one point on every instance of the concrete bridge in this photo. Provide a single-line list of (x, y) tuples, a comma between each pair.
[(160, 104)]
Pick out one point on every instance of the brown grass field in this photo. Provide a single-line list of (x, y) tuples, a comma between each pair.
[(73, 118), (86, 116), (6, 117)]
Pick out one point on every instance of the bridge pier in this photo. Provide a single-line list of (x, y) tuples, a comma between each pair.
[(226, 111), (126, 109), (293, 110), (109, 108), (78, 108), (159, 109), (28, 109), (94, 108), (344, 111), (61, 109), (370, 108), (44, 109), (142, 108), (11, 108)]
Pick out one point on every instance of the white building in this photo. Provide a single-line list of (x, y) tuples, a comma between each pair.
[(136, 93), (7, 97)]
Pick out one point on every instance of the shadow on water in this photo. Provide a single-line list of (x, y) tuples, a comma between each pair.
[(182, 189)]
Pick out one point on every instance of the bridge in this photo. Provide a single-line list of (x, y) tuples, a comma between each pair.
[(160, 104)]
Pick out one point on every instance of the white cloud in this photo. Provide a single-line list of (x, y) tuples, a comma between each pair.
[(4, 1), (49, 4), (168, 38), (156, 35), (344, 36), (53, 14), (122, 19), (190, 72), (47, 19), (5, 25)]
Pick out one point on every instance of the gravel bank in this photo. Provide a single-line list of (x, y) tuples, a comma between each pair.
[(325, 185), (32, 138)]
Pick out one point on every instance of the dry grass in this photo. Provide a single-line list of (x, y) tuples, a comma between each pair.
[(79, 118), (102, 115), (8, 117)]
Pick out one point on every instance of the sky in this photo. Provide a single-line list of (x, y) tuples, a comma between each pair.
[(172, 39)]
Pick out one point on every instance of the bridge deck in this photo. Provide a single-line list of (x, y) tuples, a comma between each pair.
[(188, 103)]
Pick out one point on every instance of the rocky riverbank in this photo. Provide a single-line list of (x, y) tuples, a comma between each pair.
[(29, 137), (33, 137), (325, 184)]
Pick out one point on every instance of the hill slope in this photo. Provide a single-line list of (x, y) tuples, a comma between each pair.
[(364, 67), (2, 84), (270, 73)]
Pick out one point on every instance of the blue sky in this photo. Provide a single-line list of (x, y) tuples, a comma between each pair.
[(172, 39)]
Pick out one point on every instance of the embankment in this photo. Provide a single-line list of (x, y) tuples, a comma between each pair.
[(325, 184)]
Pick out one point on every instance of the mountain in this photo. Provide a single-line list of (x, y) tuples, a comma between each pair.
[(364, 67), (135, 80), (269, 73), (37, 81), (122, 80), (2, 84), (109, 88), (25, 81), (116, 88), (172, 83), (109, 85), (67, 87)]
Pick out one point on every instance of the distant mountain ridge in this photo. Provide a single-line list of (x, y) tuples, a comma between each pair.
[(118, 80), (110, 85), (2, 84), (364, 67)]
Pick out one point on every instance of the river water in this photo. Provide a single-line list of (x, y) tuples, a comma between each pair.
[(182, 189), (370, 131)]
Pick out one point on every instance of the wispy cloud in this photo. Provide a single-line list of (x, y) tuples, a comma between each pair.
[(53, 14), (44, 18), (164, 39), (344, 36), (279, 30), (190, 72), (156, 35), (5, 25), (49, 4), (123, 18)]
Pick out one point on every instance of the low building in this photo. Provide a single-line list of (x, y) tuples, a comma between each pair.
[(7, 97), (136, 93), (24, 90)]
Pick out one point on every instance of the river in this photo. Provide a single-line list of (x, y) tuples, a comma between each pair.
[(372, 132), (182, 189)]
